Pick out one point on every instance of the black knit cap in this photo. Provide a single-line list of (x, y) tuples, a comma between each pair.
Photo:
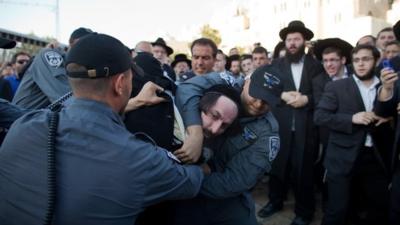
[(101, 54)]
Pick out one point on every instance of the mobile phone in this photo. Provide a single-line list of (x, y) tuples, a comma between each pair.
[(386, 64)]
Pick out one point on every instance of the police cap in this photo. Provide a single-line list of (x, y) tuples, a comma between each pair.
[(6, 43), (265, 85), (101, 55)]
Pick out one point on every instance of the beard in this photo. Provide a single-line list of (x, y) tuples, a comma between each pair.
[(295, 57), (368, 76)]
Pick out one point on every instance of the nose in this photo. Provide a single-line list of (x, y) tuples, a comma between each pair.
[(216, 127)]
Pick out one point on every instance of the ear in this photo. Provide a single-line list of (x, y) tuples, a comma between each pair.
[(343, 60), (119, 84)]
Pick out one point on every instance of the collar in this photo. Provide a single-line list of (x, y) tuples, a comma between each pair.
[(95, 107)]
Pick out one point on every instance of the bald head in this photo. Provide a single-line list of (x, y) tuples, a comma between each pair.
[(144, 46)]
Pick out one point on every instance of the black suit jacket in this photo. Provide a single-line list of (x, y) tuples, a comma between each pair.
[(318, 85), (284, 113), (388, 109), (340, 101)]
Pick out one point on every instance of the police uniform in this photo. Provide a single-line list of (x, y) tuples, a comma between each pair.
[(238, 162), (104, 174), (44, 82)]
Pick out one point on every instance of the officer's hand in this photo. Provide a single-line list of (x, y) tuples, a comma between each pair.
[(146, 97), (190, 151), (363, 118)]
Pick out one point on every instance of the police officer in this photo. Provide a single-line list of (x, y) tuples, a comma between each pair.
[(105, 175), (239, 159), (45, 80)]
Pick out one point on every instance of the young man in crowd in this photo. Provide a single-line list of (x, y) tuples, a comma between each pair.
[(358, 141)]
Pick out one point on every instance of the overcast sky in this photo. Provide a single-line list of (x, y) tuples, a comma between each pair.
[(130, 20)]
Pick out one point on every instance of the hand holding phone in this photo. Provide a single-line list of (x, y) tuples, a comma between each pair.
[(386, 64)]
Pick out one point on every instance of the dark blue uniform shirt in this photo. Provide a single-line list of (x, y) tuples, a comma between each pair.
[(105, 175)]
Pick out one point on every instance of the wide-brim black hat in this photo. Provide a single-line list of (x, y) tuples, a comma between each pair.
[(181, 58), (296, 26), (396, 30), (343, 45), (161, 42), (6, 43)]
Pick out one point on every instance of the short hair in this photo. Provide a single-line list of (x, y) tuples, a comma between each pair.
[(277, 49), (96, 86), (375, 52), (260, 50), (212, 94), (386, 29), (393, 43), (369, 36), (331, 49), (230, 59), (219, 51), (14, 57), (206, 42), (245, 56)]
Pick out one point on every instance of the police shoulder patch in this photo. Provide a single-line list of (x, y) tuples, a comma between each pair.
[(53, 58), (274, 146)]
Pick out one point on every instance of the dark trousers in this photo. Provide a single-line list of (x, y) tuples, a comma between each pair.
[(299, 174), (395, 198), (373, 183)]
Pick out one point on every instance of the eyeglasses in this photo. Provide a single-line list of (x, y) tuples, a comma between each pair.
[(326, 61), (363, 59), (22, 61)]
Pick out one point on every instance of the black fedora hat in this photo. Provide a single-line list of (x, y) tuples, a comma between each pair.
[(181, 58), (161, 42), (6, 43), (296, 26), (396, 30), (343, 45)]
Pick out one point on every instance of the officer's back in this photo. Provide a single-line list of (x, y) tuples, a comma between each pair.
[(104, 175)]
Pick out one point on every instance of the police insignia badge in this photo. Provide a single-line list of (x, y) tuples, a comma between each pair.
[(274, 145), (53, 58), (249, 135), (228, 78), (270, 80)]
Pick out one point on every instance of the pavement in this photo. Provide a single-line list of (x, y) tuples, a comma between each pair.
[(286, 216)]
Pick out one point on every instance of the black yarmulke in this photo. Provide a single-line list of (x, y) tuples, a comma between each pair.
[(101, 54)]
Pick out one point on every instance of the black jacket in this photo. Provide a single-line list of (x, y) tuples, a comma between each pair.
[(340, 101)]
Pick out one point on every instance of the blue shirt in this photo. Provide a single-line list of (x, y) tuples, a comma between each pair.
[(105, 175), (14, 83)]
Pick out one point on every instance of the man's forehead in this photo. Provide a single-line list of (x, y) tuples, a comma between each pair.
[(386, 33), (363, 51), (226, 108), (330, 55)]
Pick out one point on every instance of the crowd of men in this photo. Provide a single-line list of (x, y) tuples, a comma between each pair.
[(104, 134)]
